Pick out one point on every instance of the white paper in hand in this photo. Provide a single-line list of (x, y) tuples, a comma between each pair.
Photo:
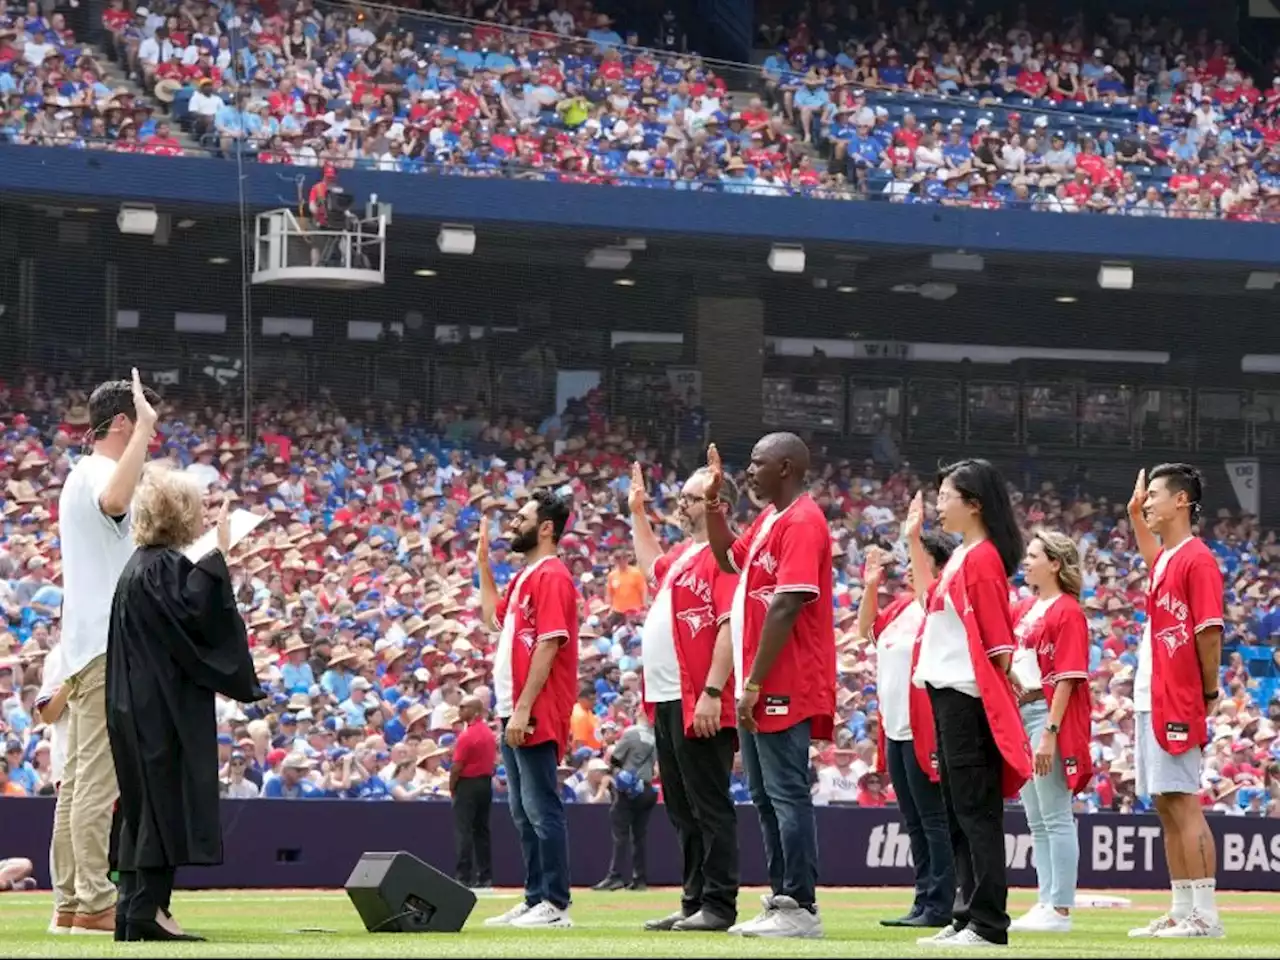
[(242, 524)]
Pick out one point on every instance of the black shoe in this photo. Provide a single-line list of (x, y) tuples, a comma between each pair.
[(703, 922), (665, 923), (925, 920), (610, 883), (638, 886), (150, 930), (910, 920)]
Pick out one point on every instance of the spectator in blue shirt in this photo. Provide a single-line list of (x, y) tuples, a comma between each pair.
[(810, 99), (20, 771), (336, 681), (292, 784), (603, 35), (296, 675)]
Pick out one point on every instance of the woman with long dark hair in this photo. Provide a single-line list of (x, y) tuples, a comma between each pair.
[(965, 652), (1050, 674), (906, 740)]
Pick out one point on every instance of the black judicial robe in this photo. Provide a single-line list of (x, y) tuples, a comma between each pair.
[(175, 638)]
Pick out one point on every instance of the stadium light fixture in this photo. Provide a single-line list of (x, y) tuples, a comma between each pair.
[(138, 219), (624, 282), (608, 258), (424, 272), (457, 238), (1115, 276), (786, 258), (219, 261), (1262, 280), (1064, 299), (845, 288), (958, 261)]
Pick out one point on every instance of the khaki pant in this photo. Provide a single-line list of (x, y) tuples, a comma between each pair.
[(82, 819)]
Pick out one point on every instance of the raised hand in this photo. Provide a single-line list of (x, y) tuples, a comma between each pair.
[(715, 473), (877, 560), (636, 496), (1139, 498), (224, 528), (482, 544), (144, 414), (914, 525)]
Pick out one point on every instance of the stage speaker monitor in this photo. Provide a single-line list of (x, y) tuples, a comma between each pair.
[(398, 893)]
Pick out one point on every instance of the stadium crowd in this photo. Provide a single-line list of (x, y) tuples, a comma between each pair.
[(1114, 118), (360, 596)]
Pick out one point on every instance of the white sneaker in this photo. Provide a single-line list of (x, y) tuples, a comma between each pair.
[(767, 909), (788, 920), (1195, 925), (510, 917), (1153, 929), (1042, 919), (544, 915), (946, 934), (968, 937)]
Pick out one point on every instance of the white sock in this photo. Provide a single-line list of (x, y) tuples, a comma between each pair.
[(1182, 900), (1202, 892)]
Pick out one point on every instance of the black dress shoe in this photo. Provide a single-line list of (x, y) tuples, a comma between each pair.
[(665, 923), (637, 885), (150, 930), (610, 883), (703, 922), (907, 921)]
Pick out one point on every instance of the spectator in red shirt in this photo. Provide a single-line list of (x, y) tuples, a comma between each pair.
[(471, 786)]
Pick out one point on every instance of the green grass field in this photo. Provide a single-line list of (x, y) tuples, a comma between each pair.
[(324, 924)]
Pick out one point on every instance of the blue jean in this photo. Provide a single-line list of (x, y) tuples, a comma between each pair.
[(1047, 802), (924, 812), (777, 768), (538, 813)]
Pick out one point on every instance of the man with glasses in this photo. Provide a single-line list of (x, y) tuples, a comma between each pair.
[(687, 654), (94, 528)]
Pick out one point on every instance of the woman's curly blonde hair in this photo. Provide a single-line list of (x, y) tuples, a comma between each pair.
[(168, 510)]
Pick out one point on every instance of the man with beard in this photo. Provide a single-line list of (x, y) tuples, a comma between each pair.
[(784, 653), (687, 654), (535, 678)]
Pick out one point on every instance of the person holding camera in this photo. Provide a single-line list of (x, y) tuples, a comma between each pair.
[(633, 801)]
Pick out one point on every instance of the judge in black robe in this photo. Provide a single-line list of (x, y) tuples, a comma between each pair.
[(175, 639)]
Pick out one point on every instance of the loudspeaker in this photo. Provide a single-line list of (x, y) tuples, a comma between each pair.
[(398, 893)]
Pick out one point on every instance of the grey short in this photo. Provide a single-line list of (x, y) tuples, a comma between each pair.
[(1157, 771)]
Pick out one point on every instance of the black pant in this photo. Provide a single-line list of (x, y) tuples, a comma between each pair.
[(471, 803), (924, 812), (629, 817), (970, 764), (143, 892), (695, 789)]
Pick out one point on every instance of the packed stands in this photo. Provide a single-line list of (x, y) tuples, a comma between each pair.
[(360, 596), (1103, 118)]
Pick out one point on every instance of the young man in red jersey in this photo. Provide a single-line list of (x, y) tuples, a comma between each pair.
[(687, 652), (535, 679), (784, 667), (1176, 689)]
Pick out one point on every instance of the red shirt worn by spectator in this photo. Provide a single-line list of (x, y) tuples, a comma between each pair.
[(540, 605), (476, 751), (1185, 599), (699, 598), (788, 551)]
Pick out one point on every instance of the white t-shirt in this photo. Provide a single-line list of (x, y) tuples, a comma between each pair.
[(657, 639), (834, 786), (944, 648), (55, 675), (893, 678), (1142, 679), (95, 549)]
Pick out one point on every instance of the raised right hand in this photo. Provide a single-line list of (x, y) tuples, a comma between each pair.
[(482, 544), (144, 414), (636, 496), (715, 473), (877, 560), (1139, 498), (915, 517)]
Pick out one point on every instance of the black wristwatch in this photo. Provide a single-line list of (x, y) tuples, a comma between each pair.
[(1211, 695), (1051, 728), (711, 691)]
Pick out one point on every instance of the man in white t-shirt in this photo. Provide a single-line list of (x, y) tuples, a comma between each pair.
[(838, 783), (93, 526)]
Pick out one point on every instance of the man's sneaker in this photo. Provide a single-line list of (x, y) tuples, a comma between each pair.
[(766, 903), (1042, 918), (1152, 929), (1195, 925), (61, 922), (95, 924), (510, 917), (968, 937), (945, 935), (545, 915), (788, 920)]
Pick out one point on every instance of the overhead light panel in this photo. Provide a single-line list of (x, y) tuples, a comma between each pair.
[(1115, 276), (960, 261), (608, 258), (1262, 280), (138, 220), (424, 272), (457, 238), (786, 258), (219, 261), (1064, 299), (624, 282), (845, 288)]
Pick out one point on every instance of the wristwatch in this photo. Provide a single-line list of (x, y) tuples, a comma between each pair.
[(1051, 728), (751, 687), (1211, 695), (711, 691)]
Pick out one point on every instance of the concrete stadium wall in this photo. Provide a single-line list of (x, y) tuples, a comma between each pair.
[(316, 843)]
